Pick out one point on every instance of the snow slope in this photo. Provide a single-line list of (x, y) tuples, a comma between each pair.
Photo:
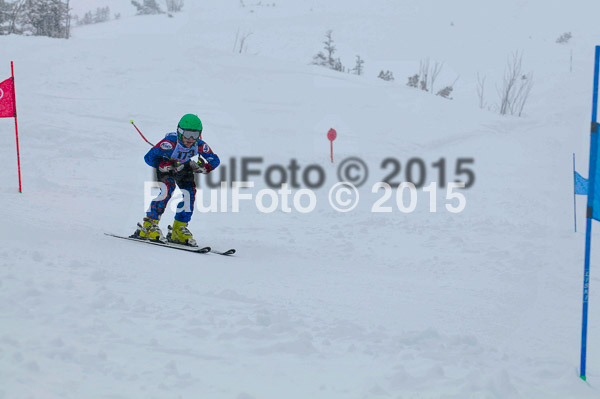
[(481, 304)]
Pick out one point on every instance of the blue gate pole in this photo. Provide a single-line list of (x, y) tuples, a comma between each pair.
[(574, 196), (590, 213)]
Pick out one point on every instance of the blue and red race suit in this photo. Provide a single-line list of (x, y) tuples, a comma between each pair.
[(170, 148)]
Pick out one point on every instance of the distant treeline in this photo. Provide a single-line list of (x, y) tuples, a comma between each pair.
[(52, 18), (35, 18)]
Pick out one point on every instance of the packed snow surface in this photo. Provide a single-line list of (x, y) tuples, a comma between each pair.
[(485, 303)]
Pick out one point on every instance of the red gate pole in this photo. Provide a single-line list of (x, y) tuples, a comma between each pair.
[(12, 73)]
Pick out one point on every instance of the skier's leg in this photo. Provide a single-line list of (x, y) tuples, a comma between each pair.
[(159, 204), (185, 209), (150, 229)]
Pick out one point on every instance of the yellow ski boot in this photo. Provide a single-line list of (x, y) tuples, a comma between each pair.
[(181, 235), (150, 230)]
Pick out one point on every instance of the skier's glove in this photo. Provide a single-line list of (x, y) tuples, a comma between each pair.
[(167, 167), (200, 167)]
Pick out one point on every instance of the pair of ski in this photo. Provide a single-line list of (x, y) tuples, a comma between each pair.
[(182, 247)]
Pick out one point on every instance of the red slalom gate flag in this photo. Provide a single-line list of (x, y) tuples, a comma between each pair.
[(8, 108)]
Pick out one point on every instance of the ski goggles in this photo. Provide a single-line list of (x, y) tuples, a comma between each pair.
[(189, 134)]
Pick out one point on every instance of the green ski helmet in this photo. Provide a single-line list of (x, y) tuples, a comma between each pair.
[(189, 126)]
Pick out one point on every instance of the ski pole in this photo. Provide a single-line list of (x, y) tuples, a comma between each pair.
[(136, 128)]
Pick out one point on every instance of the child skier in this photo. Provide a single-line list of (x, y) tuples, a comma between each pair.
[(172, 159)]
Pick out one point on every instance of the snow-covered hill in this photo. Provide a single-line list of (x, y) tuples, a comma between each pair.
[(485, 303)]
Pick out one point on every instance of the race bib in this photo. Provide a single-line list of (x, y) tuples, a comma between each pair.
[(183, 154)]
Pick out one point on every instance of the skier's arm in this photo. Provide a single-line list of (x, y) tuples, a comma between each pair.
[(159, 153), (212, 159)]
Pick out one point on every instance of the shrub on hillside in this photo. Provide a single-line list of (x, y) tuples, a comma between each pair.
[(426, 78), (100, 15), (388, 76), (564, 38), (147, 7)]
